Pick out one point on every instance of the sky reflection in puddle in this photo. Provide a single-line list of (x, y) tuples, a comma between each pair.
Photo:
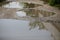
[(20, 5), (18, 29)]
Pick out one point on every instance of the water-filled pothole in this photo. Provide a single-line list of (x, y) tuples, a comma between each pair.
[(18, 29), (20, 5), (30, 12), (36, 12)]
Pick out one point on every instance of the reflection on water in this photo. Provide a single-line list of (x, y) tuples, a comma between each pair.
[(31, 5), (14, 5), (25, 30), (19, 30), (32, 13), (21, 13), (35, 24), (35, 14), (23, 5), (20, 5), (47, 13)]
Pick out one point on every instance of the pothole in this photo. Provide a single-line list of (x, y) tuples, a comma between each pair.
[(36, 13), (20, 5)]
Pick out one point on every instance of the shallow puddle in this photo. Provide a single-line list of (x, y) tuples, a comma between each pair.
[(19, 30), (20, 5), (12, 29), (29, 8)]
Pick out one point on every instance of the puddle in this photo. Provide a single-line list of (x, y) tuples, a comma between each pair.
[(31, 11), (36, 12), (19, 30), (47, 13), (20, 5), (33, 15), (14, 5)]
